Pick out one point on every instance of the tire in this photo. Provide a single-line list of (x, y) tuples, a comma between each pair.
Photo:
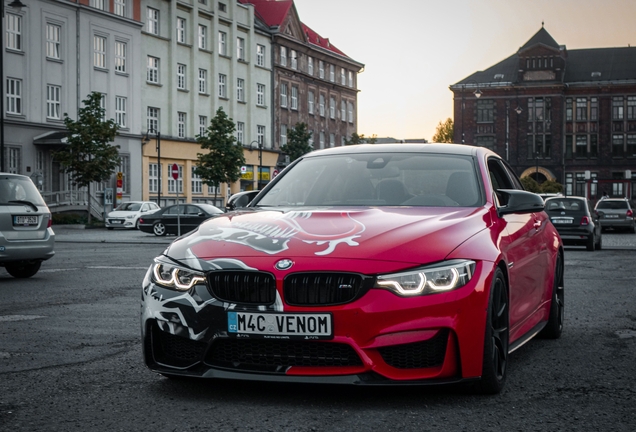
[(23, 269), (159, 229), (591, 243), (137, 224), (554, 327), (633, 229), (599, 244), (109, 228), (496, 338)]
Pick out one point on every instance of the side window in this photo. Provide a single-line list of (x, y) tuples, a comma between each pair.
[(144, 208), (513, 177), (499, 178)]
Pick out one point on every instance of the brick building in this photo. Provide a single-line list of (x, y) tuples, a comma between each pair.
[(557, 114)]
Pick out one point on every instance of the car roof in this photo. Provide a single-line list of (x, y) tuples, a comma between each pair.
[(565, 197), (430, 148)]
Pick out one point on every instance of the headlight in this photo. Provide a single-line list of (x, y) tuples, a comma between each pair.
[(175, 277), (440, 277), (130, 217)]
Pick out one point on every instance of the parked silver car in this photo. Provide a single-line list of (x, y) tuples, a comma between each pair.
[(127, 214), (616, 213), (26, 236)]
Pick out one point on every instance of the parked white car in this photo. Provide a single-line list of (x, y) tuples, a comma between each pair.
[(126, 215)]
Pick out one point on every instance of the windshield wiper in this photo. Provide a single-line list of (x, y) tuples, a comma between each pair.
[(29, 203)]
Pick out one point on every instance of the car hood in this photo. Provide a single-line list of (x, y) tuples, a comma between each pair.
[(408, 235)]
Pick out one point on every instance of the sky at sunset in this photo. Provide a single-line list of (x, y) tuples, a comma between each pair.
[(413, 50)]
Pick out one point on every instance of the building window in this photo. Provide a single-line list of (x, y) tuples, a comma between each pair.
[(311, 139), (240, 48), (120, 111), (350, 104), (260, 94), (97, 4), (53, 103), (14, 32), (581, 146), (181, 124), (174, 184), (222, 86), (332, 140), (568, 109), (240, 90), (617, 108), (594, 145), (581, 109), (310, 101), (152, 124), (120, 7), (350, 79), (540, 146), (203, 37), (203, 81), (181, 76), (181, 30), (197, 183), (283, 135), (332, 108), (203, 125), (152, 71), (618, 144), (99, 52), (283, 95), (102, 105), (260, 55), (343, 76), (294, 59), (310, 66), (294, 98), (322, 140), (14, 160), (486, 141), (321, 105), (485, 111), (260, 135), (283, 56), (222, 43), (240, 132), (53, 41), (593, 109), (120, 56), (321, 69), (631, 108), (152, 23), (343, 110), (14, 96), (332, 74), (222, 7), (631, 146)]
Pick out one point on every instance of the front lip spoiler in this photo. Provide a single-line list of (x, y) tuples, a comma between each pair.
[(365, 379)]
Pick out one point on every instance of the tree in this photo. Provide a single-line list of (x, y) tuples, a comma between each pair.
[(361, 139), (530, 184), (444, 132), (297, 142), (222, 163), (551, 186), (89, 155)]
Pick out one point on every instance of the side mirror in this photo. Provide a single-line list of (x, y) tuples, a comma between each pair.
[(519, 201)]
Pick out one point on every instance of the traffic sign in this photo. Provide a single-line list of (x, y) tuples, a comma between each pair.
[(275, 173), (175, 171)]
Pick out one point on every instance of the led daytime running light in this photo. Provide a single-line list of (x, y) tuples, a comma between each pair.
[(175, 280)]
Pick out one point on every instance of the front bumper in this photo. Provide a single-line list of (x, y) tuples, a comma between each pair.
[(120, 223), (379, 338)]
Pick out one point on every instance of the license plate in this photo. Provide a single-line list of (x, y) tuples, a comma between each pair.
[(611, 216), (284, 326), (25, 220), (116, 221), (561, 221)]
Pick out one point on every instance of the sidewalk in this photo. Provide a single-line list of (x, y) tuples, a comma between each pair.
[(77, 234)]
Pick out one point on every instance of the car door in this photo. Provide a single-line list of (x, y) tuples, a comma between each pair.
[(524, 251)]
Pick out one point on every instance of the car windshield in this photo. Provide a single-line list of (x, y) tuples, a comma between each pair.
[(612, 205), (378, 179), (567, 205), (129, 206), (19, 189)]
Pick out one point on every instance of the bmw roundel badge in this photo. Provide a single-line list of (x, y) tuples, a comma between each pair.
[(284, 264)]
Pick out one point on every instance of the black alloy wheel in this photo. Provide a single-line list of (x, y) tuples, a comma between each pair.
[(554, 327), (496, 340), (159, 229)]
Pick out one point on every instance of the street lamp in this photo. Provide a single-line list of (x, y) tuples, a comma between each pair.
[(477, 94), (260, 162), (158, 148), (16, 4), (518, 110)]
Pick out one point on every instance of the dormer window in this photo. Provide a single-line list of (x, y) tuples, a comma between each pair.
[(499, 77), (596, 74)]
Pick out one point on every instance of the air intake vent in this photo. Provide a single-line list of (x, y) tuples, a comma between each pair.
[(319, 289), (243, 287)]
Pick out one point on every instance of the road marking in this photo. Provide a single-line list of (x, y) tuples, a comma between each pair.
[(10, 318), (626, 334)]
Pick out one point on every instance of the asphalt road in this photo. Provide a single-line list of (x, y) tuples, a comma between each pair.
[(70, 359)]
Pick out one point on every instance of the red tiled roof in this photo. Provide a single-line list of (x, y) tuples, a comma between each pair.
[(274, 12)]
